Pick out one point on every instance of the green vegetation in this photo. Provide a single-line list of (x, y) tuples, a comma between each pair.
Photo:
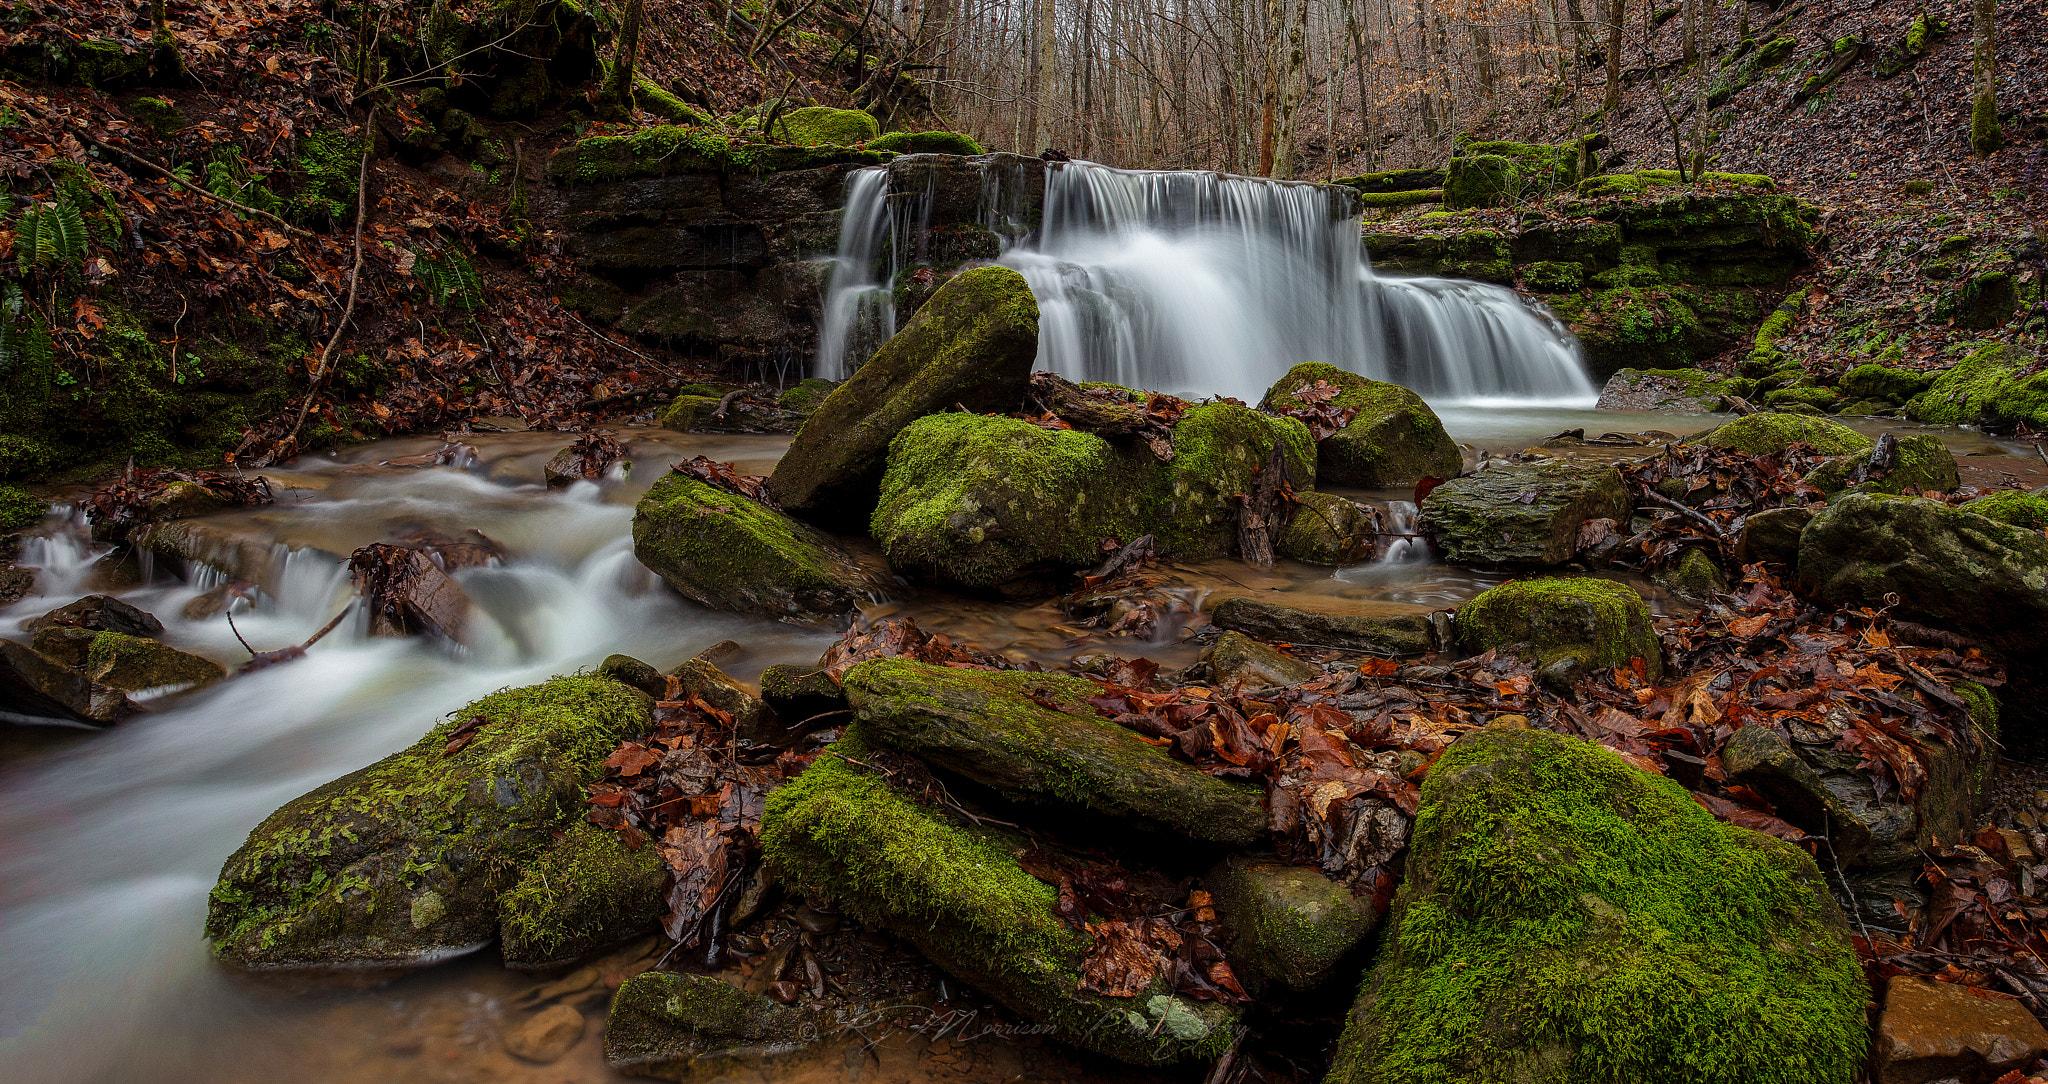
[(1395, 439), (1598, 622), (727, 552), (655, 152), (2017, 507), (819, 126), (580, 895), (20, 511), (1765, 434), (926, 143)]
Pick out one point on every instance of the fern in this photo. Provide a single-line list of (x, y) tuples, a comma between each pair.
[(23, 338), (450, 278), (50, 237)]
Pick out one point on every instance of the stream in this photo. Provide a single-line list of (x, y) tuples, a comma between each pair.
[(110, 840)]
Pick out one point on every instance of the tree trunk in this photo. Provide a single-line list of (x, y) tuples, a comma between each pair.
[(1985, 135), (1293, 85), (620, 90), (1691, 51), (1042, 84), (164, 59), (1615, 10)]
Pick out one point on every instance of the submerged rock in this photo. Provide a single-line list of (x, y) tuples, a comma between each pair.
[(995, 728), (1393, 440), (1595, 622), (970, 346), (1238, 660), (585, 893), (954, 890), (1567, 917), (402, 863), (1291, 923), (1374, 627), (1522, 515), (978, 501), (546, 1035), (674, 1026), (729, 553)]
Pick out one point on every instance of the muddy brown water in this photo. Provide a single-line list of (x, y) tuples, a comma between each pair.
[(109, 841)]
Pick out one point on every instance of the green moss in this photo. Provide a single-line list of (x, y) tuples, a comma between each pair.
[(1395, 182), (1773, 53), (1634, 327), (2021, 508), (1765, 434), (1554, 277), (657, 152), (160, 115), (406, 858), (956, 891), (1327, 530), (1985, 301), (1820, 398), (1599, 622), (1401, 199), (1985, 133), (1884, 382), (667, 106), (730, 553), (135, 663), (20, 511), (806, 395), (1395, 439), (1961, 395), (1610, 186), (1483, 180), (926, 143), (1923, 464), (1569, 918), (819, 126), (579, 896), (107, 65)]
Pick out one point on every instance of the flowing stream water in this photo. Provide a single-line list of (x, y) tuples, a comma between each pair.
[(1206, 284)]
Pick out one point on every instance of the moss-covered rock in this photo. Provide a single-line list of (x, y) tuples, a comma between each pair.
[(106, 65), (402, 863), (806, 396), (1683, 391), (2021, 508), (1328, 530), (1377, 628), (1597, 622), (1772, 535), (585, 893), (1895, 386), (1568, 918), (671, 149), (1393, 440), (801, 694), (996, 729), (971, 345), (1805, 394), (708, 414), (927, 143), (818, 126), (1984, 301), (675, 1026), (979, 501), (956, 892), (134, 663), (729, 553), (1522, 515), (1967, 390), (1235, 660), (1482, 180), (1695, 576), (1291, 924), (1394, 181), (1923, 464), (2023, 401), (1768, 434)]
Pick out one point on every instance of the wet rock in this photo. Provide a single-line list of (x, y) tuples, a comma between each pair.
[(709, 414), (1695, 576), (132, 664), (1921, 463), (1762, 759), (1521, 515), (402, 863), (99, 613), (65, 644), (585, 893), (1772, 535), (407, 593), (1376, 628), (756, 720), (978, 502), (34, 684), (1238, 660), (1764, 434), (806, 395), (674, 1026), (995, 728), (802, 693), (1596, 622), (1677, 391), (1329, 530), (1291, 923), (1393, 440), (546, 1035), (627, 670), (1546, 875), (954, 890), (1932, 1031), (200, 542), (726, 552), (219, 600), (971, 345)]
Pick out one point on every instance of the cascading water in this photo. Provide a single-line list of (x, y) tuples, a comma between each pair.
[(1206, 284)]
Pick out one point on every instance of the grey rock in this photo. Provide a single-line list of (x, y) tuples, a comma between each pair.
[(1521, 516)]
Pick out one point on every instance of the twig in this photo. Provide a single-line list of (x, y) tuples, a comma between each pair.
[(355, 275), (1659, 498), (238, 635), (203, 193)]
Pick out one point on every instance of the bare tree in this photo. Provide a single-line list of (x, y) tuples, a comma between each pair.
[(1985, 134)]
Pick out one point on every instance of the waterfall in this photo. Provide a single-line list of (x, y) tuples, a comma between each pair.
[(1209, 284)]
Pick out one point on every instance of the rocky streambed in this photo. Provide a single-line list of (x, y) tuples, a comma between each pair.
[(1157, 747)]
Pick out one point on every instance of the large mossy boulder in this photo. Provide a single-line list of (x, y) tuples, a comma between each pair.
[(2021, 508), (1524, 515), (978, 501), (1569, 919), (1929, 562), (1393, 440), (1677, 391), (1882, 382), (955, 890), (729, 553), (823, 126), (1768, 434), (1968, 390), (996, 728), (715, 414), (1597, 622), (1291, 924), (585, 893), (970, 346), (403, 863), (927, 143), (1921, 463)]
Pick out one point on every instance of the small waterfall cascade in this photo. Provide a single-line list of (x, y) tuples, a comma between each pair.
[(1206, 284), (1404, 544)]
